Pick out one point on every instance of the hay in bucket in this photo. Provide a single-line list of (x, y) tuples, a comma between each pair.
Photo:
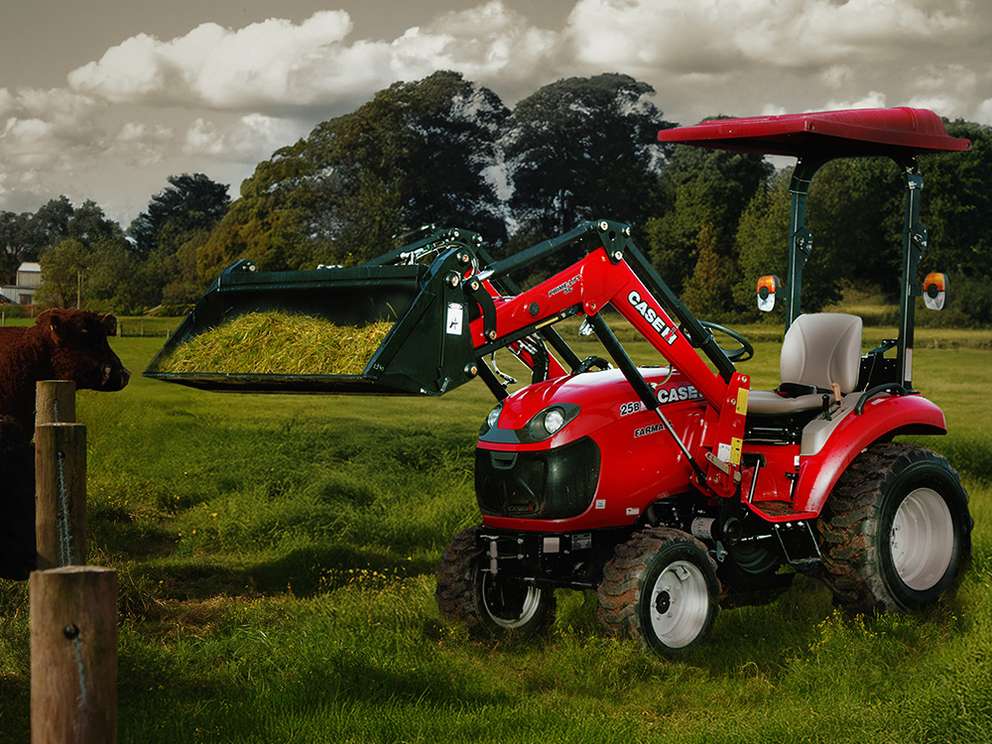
[(267, 343)]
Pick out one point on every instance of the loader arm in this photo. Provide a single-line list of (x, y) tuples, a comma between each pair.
[(613, 272), (586, 288)]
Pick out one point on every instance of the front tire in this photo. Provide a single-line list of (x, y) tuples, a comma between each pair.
[(489, 605), (661, 586), (896, 531)]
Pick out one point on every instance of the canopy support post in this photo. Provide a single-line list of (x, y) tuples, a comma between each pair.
[(914, 243), (800, 238)]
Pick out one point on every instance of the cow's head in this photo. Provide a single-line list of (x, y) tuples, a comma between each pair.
[(80, 350)]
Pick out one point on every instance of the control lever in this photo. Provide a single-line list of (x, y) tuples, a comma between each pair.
[(590, 362)]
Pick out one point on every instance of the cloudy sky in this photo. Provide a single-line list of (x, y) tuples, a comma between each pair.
[(106, 98)]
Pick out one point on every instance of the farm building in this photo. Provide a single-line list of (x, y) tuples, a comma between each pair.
[(26, 284)]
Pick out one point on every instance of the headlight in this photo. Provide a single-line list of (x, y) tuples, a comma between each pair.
[(544, 424), (493, 417), (554, 419), (549, 422)]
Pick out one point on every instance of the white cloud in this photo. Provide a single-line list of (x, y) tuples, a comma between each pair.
[(983, 113), (712, 36), (277, 64), (250, 139), (837, 76), (874, 99), (141, 144), (134, 131), (45, 129)]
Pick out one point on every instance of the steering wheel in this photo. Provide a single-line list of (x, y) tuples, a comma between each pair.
[(742, 354)]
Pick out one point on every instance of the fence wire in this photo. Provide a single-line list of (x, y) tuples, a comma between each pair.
[(65, 532)]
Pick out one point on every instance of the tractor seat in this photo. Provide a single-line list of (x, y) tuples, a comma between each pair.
[(819, 349)]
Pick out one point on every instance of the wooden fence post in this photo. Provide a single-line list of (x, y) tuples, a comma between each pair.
[(60, 490), (74, 656), (54, 402)]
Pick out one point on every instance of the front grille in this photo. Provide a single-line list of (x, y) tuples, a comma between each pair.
[(553, 484)]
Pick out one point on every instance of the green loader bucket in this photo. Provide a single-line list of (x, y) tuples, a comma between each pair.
[(404, 328)]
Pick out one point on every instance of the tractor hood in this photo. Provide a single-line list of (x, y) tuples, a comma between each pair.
[(589, 401)]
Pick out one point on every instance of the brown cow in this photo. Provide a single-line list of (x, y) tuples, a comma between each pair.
[(61, 345)]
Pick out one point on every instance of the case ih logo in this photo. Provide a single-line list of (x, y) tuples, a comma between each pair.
[(565, 287), (680, 393), (651, 316), (665, 395)]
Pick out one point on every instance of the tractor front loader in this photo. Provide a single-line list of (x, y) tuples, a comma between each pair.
[(668, 490)]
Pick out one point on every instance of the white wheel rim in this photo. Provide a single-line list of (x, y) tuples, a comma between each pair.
[(680, 603), (531, 603), (922, 539)]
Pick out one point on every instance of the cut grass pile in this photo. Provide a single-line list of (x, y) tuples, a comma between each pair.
[(279, 343)]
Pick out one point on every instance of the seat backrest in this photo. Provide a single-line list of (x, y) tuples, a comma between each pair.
[(822, 348)]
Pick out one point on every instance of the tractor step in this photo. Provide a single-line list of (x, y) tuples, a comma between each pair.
[(779, 512), (799, 545)]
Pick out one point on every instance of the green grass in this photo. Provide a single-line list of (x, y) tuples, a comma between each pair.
[(275, 556)]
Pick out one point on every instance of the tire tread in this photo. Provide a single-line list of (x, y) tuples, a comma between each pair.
[(850, 523), (619, 590)]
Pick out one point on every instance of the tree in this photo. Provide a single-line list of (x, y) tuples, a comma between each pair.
[(189, 203), (184, 283), (416, 153), (855, 215), (184, 211), (50, 224), (90, 225), (957, 204), (708, 292), (762, 247), (26, 237), (15, 244), (701, 187), (62, 269), (583, 148), (762, 240)]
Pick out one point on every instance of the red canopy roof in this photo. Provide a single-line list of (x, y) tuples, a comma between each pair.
[(895, 132)]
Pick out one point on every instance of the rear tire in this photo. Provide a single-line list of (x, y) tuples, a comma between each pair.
[(489, 605), (896, 531), (660, 586)]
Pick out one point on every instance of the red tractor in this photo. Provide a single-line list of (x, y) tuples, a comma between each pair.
[(672, 490), (668, 490)]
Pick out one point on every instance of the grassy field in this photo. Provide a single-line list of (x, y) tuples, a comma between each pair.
[(276, 553)]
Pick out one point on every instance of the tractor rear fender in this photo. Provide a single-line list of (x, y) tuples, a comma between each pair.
[(882, 419)]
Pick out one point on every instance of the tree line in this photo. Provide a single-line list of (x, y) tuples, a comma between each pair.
[(444, 150)]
